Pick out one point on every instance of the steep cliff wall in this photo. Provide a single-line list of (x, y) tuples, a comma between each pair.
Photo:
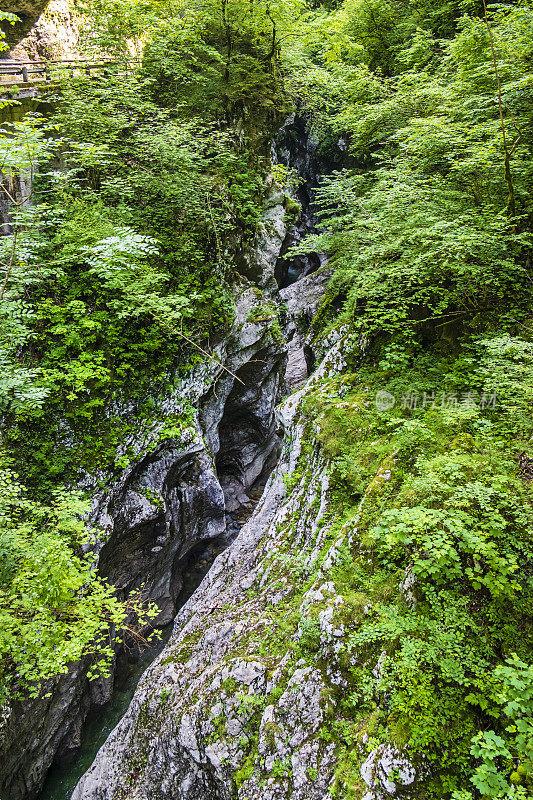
[(47, 30), (244, 700), (187, 472)]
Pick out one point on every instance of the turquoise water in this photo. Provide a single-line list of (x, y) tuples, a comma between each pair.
[(62, 778)]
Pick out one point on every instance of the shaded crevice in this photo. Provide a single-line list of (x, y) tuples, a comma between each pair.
[(247, 451), (201, 558), (85, 738), (247, 438), (174, 514), (297, 148)]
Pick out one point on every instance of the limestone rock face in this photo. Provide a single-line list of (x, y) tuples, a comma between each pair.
[(214, 435), (48, 30), (383, 762), (302, 300), (258, 263), (178, 490), (218, 715)]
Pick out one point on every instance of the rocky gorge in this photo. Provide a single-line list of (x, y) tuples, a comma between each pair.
[(239, 701), (237, 704), (190, 472), (266, 365)]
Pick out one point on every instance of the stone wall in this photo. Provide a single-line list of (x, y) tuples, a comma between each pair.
[(47, 29)]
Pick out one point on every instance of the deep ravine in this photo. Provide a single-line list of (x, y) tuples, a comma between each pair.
[(301, 282), (63, 777), (170, 501), (299, 297), (184, 499), (224, 706), (329, 506)]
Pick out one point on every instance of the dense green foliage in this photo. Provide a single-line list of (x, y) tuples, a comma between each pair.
[(54, 608), (115, 279), (441, 553), (429, 233), (127, 264)]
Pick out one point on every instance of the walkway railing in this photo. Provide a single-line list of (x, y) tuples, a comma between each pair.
[(17, 72)]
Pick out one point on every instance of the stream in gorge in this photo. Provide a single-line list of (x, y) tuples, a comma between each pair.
[(63, 776)]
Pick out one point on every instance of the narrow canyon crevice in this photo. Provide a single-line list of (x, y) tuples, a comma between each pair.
[(168, 518), (207, 498), (79, 751), (182, 503)]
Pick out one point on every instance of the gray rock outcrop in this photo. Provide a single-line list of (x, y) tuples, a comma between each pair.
[(210, 440), (302, 300), (48, 30), (218, 715)]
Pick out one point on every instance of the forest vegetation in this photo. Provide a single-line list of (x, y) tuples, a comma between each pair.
[(118, 277)]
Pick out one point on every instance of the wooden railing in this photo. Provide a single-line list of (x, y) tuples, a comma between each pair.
[(37, 71)]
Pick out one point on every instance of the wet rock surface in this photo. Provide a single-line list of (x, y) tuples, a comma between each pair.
[(240, 702), (172, 499), (214, 716), (302, 300), (48, 29)]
